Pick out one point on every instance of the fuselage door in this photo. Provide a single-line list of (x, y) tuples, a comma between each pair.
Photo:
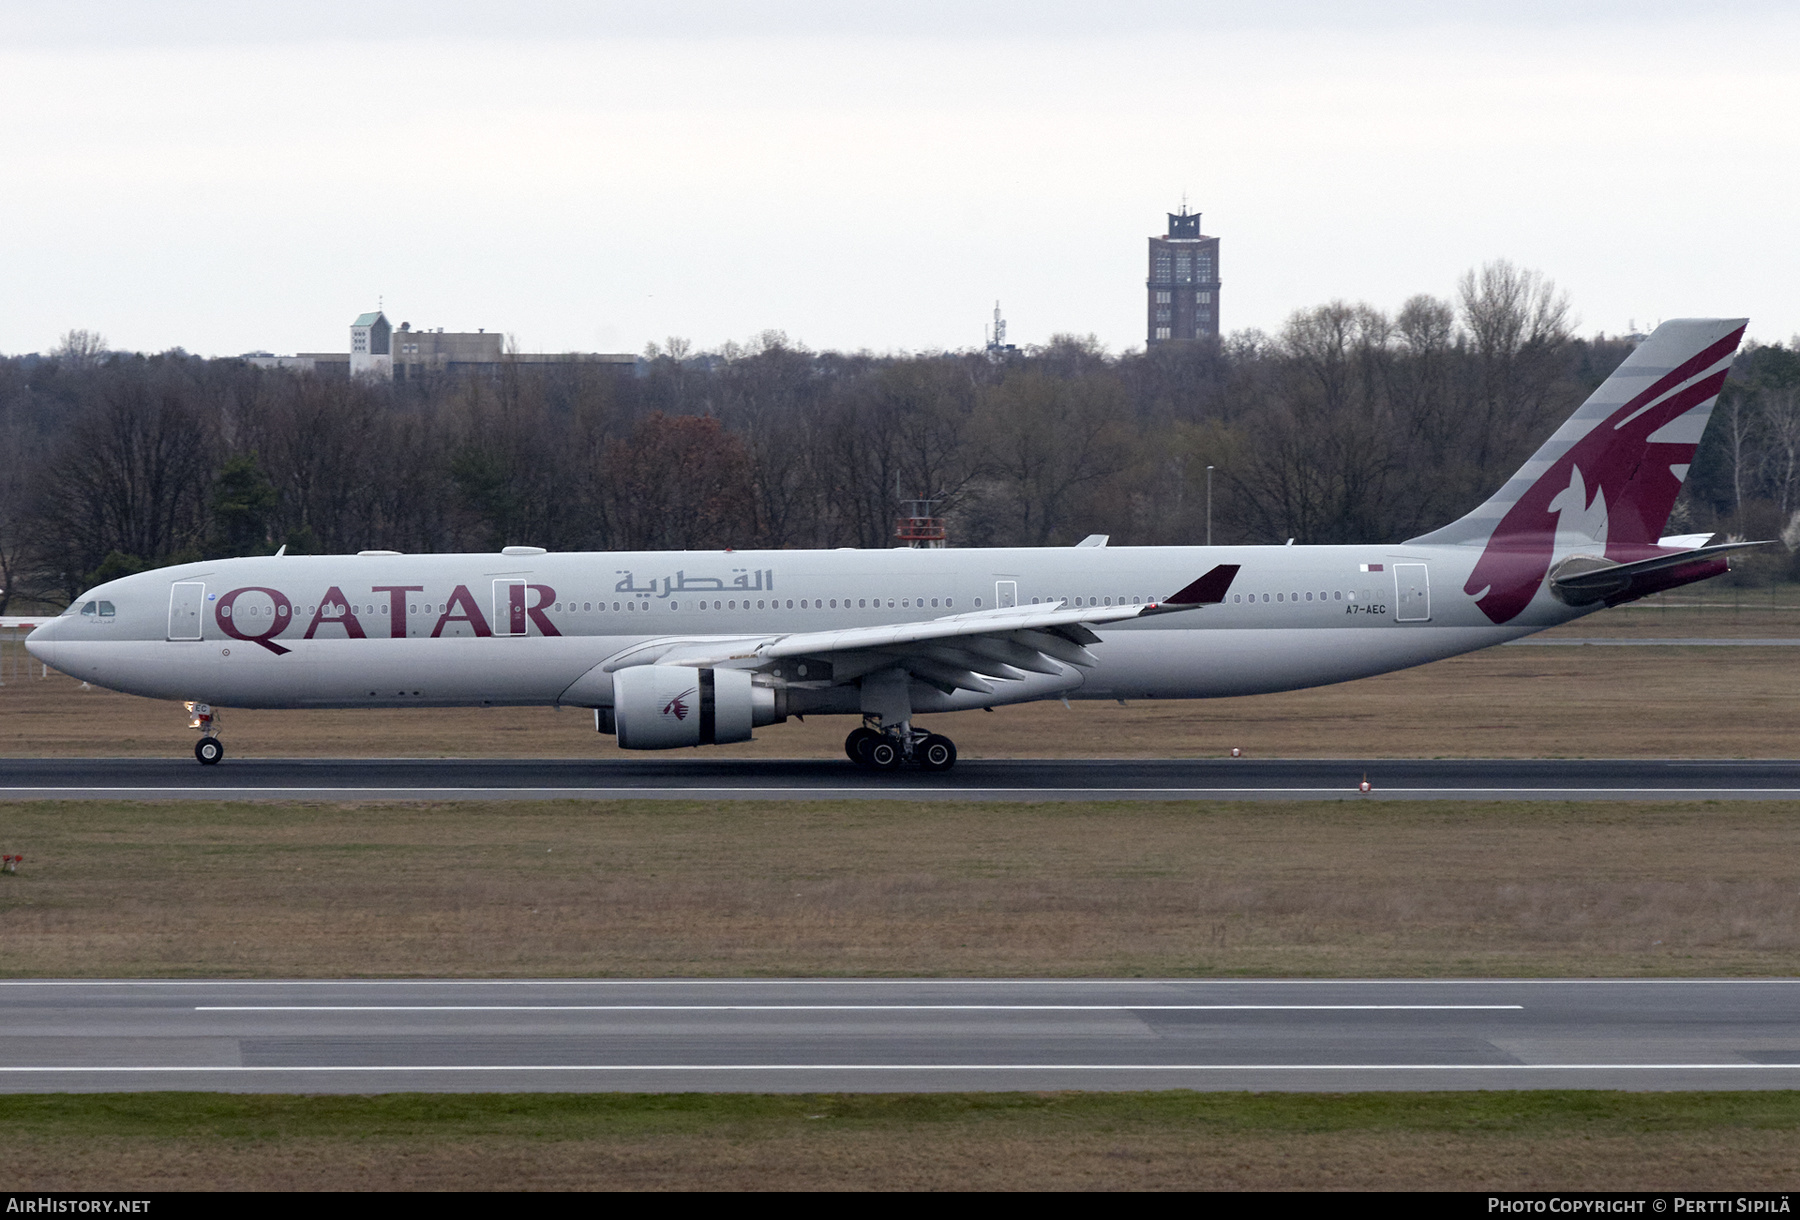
[(1412, 593), (187, 601), (1006, 594), (509, 607)]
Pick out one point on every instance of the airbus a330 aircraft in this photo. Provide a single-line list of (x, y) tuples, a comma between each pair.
[(701, 647)]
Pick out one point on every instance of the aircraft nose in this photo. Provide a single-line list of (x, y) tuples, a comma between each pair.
[(41, 643)]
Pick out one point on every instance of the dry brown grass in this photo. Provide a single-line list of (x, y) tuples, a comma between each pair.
[(1501, 703), (906, 1160), (1715, 613), (941, 1142), (890, 888)]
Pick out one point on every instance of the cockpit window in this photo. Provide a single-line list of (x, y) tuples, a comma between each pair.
[(106, 610), (87, 611)]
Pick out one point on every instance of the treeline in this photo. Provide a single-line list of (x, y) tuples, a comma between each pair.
[(1351, 424)]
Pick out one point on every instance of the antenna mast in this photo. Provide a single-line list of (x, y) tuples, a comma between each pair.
[(997, 346)]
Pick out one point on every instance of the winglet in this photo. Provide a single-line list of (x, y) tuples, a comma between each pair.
[(1209, 590)]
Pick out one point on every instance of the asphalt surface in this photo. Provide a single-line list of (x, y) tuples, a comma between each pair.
[(1666, 642), (897, 1035), (688, 778)]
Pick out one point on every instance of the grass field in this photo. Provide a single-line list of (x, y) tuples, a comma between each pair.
[(1172, 1140), (764, 888), (656, 888)]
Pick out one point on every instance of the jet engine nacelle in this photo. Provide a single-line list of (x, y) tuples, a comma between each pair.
[(659, 707)]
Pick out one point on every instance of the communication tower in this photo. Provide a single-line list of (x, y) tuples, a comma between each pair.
[(997, 346)]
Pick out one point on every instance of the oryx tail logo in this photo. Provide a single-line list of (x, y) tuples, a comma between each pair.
[(678, 707), (1609, 493)]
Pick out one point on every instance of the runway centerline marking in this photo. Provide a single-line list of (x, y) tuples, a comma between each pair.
[(859, 1008), (852, 983), (904, 982), (117, 1069)]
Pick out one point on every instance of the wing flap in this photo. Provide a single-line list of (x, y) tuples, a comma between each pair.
[(967, 651), (1040, 620)]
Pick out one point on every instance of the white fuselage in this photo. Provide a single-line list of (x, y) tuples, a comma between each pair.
[(388, 630)]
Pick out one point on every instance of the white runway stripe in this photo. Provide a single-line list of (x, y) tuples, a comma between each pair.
[(1098, 792), (930, 1067), (1207, 983), (859, 1008)]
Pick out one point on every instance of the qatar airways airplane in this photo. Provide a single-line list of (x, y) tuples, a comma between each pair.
[(691, 648)]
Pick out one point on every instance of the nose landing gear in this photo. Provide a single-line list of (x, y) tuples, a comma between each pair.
[(209, 749)]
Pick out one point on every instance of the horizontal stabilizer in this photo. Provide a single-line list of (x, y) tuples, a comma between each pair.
[(1582, 580)]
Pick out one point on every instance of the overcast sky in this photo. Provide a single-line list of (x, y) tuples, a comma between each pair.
[(225, 177)]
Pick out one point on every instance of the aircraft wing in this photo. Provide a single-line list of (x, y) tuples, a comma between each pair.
[(959, 650)]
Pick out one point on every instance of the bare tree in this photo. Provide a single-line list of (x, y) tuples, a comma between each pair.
[(1047, 441), (16, 534), (1780, 411), (681, 483), (1518, 324), (80, 348), (132, 478), (1738, 427)]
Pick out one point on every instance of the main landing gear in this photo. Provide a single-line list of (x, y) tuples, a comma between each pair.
[(887, 740), (879, 751), (209, 749)]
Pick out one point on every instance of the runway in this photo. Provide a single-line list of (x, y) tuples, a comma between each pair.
[(685, 777), (897, 1035)]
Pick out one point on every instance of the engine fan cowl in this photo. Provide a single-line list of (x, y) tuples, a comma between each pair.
[(661, 707)]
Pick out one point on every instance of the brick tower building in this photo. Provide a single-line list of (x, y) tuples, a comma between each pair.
[(1183, 287)]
